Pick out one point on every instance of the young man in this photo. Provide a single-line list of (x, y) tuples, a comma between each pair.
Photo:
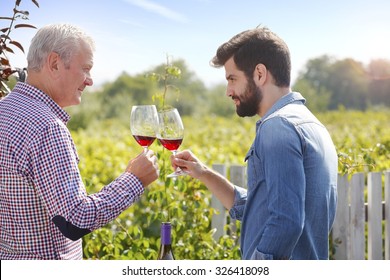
[(289, 206), (44, 207)]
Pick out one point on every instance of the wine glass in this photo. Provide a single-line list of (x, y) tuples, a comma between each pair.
[(144, 124), (170, 133)]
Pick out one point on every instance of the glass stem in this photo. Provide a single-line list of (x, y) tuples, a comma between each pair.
[(174, 152)]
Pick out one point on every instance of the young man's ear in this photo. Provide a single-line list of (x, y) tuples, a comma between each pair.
[(260, 74)]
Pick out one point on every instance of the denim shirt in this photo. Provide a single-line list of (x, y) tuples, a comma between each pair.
[(289, 207)]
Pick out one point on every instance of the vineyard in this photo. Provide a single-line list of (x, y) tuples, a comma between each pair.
[(362, 140)]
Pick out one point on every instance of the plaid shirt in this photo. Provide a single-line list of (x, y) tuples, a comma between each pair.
[(41, 190)]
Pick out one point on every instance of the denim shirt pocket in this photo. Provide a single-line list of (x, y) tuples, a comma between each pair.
[(251, 169), (249, 153)]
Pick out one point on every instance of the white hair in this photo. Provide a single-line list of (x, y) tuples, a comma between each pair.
[(64, 39)]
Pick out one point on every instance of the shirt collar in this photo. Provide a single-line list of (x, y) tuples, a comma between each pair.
[(286, 99), (37, 94)]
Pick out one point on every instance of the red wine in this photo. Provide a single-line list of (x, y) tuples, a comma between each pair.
[(171, 144), (165, 252), (144, 141)]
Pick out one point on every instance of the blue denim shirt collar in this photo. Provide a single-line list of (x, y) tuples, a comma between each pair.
[(288, 98)]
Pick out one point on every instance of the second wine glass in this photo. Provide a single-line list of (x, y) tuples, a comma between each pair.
[(170, 133), (144, 124)]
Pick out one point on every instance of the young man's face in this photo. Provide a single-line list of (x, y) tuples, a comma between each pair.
[(244, 92)]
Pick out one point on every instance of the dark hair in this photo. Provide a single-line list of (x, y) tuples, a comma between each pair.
[(251, 47)]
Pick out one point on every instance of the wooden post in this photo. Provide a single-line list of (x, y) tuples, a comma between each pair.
[(387, 215), (374, 242), (357, 244), (340, 230), (218, 220)]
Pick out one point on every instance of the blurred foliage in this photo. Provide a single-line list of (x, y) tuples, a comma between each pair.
[(362, 139), (329, 84)]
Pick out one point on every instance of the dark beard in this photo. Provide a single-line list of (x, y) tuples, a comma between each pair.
[(249, 103)]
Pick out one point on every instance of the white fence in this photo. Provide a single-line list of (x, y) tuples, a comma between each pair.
[(362, 226)]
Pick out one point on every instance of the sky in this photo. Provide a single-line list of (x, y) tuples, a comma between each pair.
[(134, 36)]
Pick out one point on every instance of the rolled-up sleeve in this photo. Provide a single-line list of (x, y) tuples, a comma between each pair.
[(240, 195)]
